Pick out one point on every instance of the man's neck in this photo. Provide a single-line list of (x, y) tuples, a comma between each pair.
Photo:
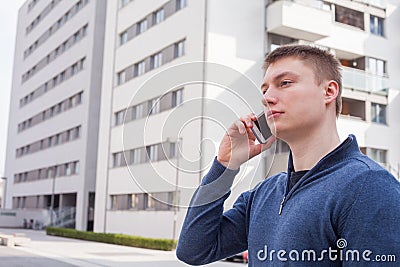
[(309, 150)]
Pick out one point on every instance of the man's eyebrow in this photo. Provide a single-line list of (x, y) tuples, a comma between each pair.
[(281, 75)]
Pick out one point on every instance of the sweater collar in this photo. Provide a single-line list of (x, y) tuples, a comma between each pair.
[(346, 149)]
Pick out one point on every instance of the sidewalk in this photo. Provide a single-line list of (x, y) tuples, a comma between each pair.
[(81, 253)]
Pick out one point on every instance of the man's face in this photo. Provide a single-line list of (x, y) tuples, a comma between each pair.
[(294, 102)]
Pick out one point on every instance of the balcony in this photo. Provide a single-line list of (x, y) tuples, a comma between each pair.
[(360, 80), (297, 20)]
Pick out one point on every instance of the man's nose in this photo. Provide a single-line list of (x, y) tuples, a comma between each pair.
[(269, 98)]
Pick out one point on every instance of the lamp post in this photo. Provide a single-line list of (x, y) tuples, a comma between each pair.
[(52, 199), (4, 192), (177, 151)]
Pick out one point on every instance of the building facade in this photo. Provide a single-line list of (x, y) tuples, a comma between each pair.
[(173, 76), (139, 178), (198, 64), (55, 102)]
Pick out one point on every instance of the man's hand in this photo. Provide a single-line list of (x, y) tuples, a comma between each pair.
[(238, 144)]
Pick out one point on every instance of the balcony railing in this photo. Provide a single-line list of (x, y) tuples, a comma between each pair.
[(363, 81)]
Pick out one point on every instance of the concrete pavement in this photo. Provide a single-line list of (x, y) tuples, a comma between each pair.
[(45, 250)]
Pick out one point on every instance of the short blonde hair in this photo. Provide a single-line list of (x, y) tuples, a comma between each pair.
[(325, 65)]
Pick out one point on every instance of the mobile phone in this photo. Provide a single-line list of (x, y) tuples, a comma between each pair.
[(260, 128)]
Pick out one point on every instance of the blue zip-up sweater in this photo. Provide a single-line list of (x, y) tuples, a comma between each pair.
[(344, 211)]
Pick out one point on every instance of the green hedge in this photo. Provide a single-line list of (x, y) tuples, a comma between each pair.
[(118, 239)]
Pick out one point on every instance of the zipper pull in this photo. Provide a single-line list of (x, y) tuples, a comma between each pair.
[(281, 206)]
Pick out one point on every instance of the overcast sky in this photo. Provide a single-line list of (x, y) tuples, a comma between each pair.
[(8, 22)]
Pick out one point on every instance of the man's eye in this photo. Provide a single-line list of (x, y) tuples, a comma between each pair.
[(285, 83)]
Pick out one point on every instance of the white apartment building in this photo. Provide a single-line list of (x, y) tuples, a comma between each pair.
[(176, 72), (120, 105), (54, 111)]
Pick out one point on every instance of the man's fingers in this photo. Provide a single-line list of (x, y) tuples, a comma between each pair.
[(240, 126), (245, 122)]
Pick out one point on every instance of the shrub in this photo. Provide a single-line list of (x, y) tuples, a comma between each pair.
[(117, 239)]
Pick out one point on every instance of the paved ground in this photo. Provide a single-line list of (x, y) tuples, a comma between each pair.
[(45, 250)]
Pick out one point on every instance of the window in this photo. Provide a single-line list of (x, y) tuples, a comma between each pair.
[(281, 147), (180, 4), (76, 167), (68, 169), (279, 40), (23, 202), (177, 97), (79, 5), (119, 117), (140, 68), (49, 141), (64, 46), (114, 202), (158, 16), (52, 111), (173, 150), (349, 16), (135, 156), (57, 139), (78, 98), (138, 112), (68, 136), (154, 106), (54, 81), (49, 173), (76, 37), (121, 77), (156, 61), (124, 3), (379, 155), (117, 159), (59, 23), (74, 69), (62, 76), (376, 25), (353, 108), (84, 30), (142, 26), (123, 38), (57, 171), (67, 15), (134, 201), (378, 113), (150, 202), (179, 49), (59, 108), (82, 63), (376, 66), (77, 132), (152, 152)]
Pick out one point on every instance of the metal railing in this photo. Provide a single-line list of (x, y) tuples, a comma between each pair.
[(363, 81)]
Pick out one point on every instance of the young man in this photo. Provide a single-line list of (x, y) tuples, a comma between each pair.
[(333, 207)]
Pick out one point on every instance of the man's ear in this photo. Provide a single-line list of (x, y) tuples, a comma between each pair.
[(331, 91)]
